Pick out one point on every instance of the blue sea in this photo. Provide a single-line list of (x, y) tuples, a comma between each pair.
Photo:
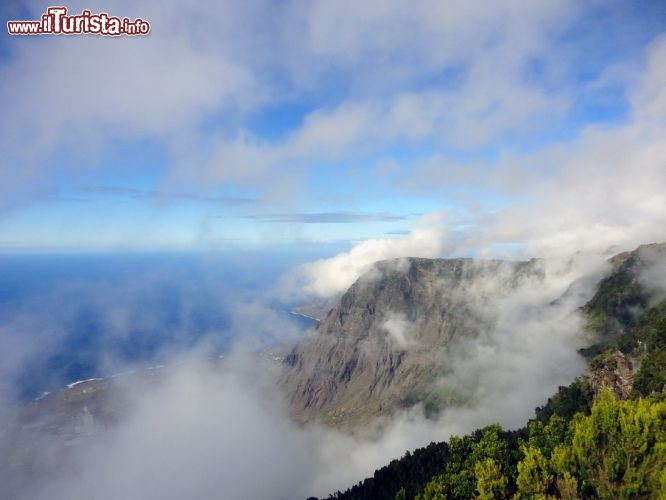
[(63, 317)]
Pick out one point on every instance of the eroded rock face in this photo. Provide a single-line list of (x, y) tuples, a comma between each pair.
[(616, 371), (384, 343)]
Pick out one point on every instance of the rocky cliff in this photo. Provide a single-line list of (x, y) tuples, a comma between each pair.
[(385, 342)]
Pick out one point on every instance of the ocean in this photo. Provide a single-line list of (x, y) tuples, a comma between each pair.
[(69, 317)]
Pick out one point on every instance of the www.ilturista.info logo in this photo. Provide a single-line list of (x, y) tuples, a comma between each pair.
[(57, 22)]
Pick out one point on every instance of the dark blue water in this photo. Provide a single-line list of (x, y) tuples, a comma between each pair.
[(70, 317)]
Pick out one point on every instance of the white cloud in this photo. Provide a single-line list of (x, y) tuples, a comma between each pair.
[(89, 94), (327, 277), (82, 96), (599, 191), (203, 433), (605, 188), (398, 328)]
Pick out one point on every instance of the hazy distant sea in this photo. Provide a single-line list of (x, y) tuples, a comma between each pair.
[(64, 317)]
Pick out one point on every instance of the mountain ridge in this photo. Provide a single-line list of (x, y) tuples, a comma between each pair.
[(382, 346)]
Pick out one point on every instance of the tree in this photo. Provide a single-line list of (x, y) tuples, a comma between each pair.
[(490, 482), (434, 490), (534, 474), (618, 451)]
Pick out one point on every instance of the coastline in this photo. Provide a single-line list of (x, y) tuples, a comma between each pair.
[(296, 313)]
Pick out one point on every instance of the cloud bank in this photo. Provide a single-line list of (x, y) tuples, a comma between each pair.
[(601, 191), (328, 277), (384, 82)]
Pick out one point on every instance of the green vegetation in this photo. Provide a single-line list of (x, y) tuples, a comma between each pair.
[(483, 462), (617, 451), (611, 309), (574, 398), (401, 478), (647, 341)]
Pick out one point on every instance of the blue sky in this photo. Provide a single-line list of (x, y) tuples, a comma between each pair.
[(263, 123)]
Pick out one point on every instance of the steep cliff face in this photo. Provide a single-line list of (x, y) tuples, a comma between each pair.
[(384, 343), (390, 335)]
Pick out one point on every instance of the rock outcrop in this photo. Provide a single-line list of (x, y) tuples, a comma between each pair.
[(615, 371)]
